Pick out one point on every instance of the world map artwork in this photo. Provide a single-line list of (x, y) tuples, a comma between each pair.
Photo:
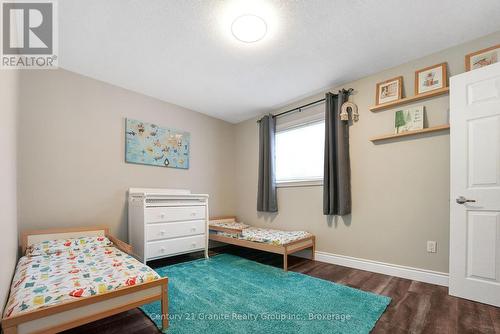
[(150, 144)]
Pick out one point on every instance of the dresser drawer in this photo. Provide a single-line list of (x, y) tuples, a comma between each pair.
[(162, 248), (174, 230), (174, 213)]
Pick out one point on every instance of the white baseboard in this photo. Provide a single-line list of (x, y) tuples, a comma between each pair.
[(416, 274)]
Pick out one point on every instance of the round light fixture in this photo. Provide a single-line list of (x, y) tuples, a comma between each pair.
[(249, 28)]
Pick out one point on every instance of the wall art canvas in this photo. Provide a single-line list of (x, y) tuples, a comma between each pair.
[(409, 119), (151, 144)]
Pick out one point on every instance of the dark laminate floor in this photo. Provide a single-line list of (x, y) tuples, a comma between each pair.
[(415, 308)]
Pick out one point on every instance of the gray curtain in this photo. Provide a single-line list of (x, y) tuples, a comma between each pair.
[(337, 173), (266, 197)]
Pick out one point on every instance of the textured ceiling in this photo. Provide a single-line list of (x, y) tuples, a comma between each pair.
[(182, 51)]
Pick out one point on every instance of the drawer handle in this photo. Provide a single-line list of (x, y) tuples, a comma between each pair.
[(162, 215), (162, 232), (193, 214), (193, 245), (162, 250), (193, 229)]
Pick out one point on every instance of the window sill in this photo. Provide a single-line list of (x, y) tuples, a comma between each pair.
[(299, 183)]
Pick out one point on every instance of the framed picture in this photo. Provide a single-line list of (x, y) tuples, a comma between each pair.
[(409, 119), (482, 58), (389, 90), (430, 78)]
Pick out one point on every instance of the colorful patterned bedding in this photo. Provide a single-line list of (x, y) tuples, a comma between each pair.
[(266, 235), (65, 275), (228, 224), (63, 245)]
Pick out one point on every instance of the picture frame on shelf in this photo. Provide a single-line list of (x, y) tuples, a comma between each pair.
[(409, 119), (431, 78), (389, 90), (482, 58)]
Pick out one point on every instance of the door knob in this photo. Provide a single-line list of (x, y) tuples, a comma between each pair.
[(463, 200)]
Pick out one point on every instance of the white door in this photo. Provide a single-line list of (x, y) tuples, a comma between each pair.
[(475, 185)]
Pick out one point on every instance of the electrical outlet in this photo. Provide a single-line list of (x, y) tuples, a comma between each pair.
[(431, 246)]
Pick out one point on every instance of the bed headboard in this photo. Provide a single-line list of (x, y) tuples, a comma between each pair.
[(31, 237), (224, 219)]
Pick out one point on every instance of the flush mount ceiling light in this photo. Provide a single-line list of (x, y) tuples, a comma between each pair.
[(249, 28)]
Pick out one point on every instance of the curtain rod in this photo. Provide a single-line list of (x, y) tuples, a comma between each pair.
[(299, 109)]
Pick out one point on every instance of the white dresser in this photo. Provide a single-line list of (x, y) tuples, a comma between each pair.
[(167, 222)]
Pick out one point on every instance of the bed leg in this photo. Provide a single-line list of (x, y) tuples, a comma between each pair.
[(285, 261), (10, 330), (164, 306), (314, 249)]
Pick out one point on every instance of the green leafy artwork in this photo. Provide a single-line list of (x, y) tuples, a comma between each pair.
[(409, 119)]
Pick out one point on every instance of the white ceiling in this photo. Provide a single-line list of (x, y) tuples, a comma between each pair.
[(182, 51)]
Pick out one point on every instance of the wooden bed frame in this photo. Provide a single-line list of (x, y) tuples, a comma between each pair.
[(73, 313), (285, 250)]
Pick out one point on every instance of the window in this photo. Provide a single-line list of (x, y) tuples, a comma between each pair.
[(299, 154)]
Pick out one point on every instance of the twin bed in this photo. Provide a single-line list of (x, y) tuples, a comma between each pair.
[(228, 230), (69, 277)]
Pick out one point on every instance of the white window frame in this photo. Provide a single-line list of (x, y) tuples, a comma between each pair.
[(298, 123)]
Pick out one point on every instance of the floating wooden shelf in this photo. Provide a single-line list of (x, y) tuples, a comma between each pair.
[(411, 133), (407, 100)]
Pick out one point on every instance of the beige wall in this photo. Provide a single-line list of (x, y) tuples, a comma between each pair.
[(71, 145), (400, 188), (8, 162)]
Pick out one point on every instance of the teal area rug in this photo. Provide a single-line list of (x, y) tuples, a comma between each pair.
[(229, 294)]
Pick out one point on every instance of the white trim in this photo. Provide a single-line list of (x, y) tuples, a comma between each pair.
[(416, 274), (299, 123), (305, 116), (299, 183)]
